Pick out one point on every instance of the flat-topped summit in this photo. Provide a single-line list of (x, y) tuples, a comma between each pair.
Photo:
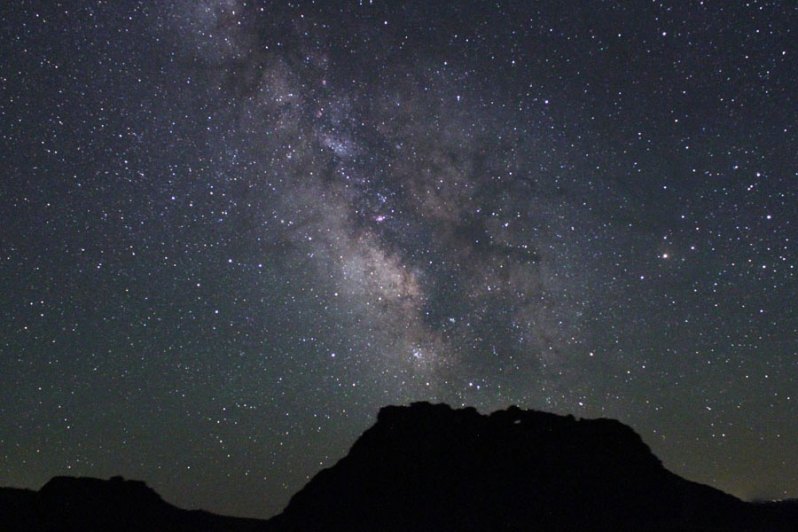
[(432, 467)]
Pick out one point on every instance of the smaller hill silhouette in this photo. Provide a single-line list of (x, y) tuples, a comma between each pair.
[(432, 468), (69, 504)]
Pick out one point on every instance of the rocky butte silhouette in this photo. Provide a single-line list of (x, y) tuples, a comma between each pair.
[(429, 467)]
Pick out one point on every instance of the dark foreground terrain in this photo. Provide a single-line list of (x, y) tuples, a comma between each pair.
[(429, 467)]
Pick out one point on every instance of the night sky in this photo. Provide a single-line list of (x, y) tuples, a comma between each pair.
[(230, 231)]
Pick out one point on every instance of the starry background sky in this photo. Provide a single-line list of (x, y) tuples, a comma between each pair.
[(231, 230)]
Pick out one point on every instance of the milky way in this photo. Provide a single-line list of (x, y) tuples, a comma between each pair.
[(232, 230)]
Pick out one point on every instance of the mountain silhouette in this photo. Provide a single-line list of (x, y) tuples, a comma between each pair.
[(429, 467), (432, 468)]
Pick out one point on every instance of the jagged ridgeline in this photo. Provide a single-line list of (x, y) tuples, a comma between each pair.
[(429, 467)]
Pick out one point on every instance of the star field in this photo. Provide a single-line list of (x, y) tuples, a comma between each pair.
[(231, 230)]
